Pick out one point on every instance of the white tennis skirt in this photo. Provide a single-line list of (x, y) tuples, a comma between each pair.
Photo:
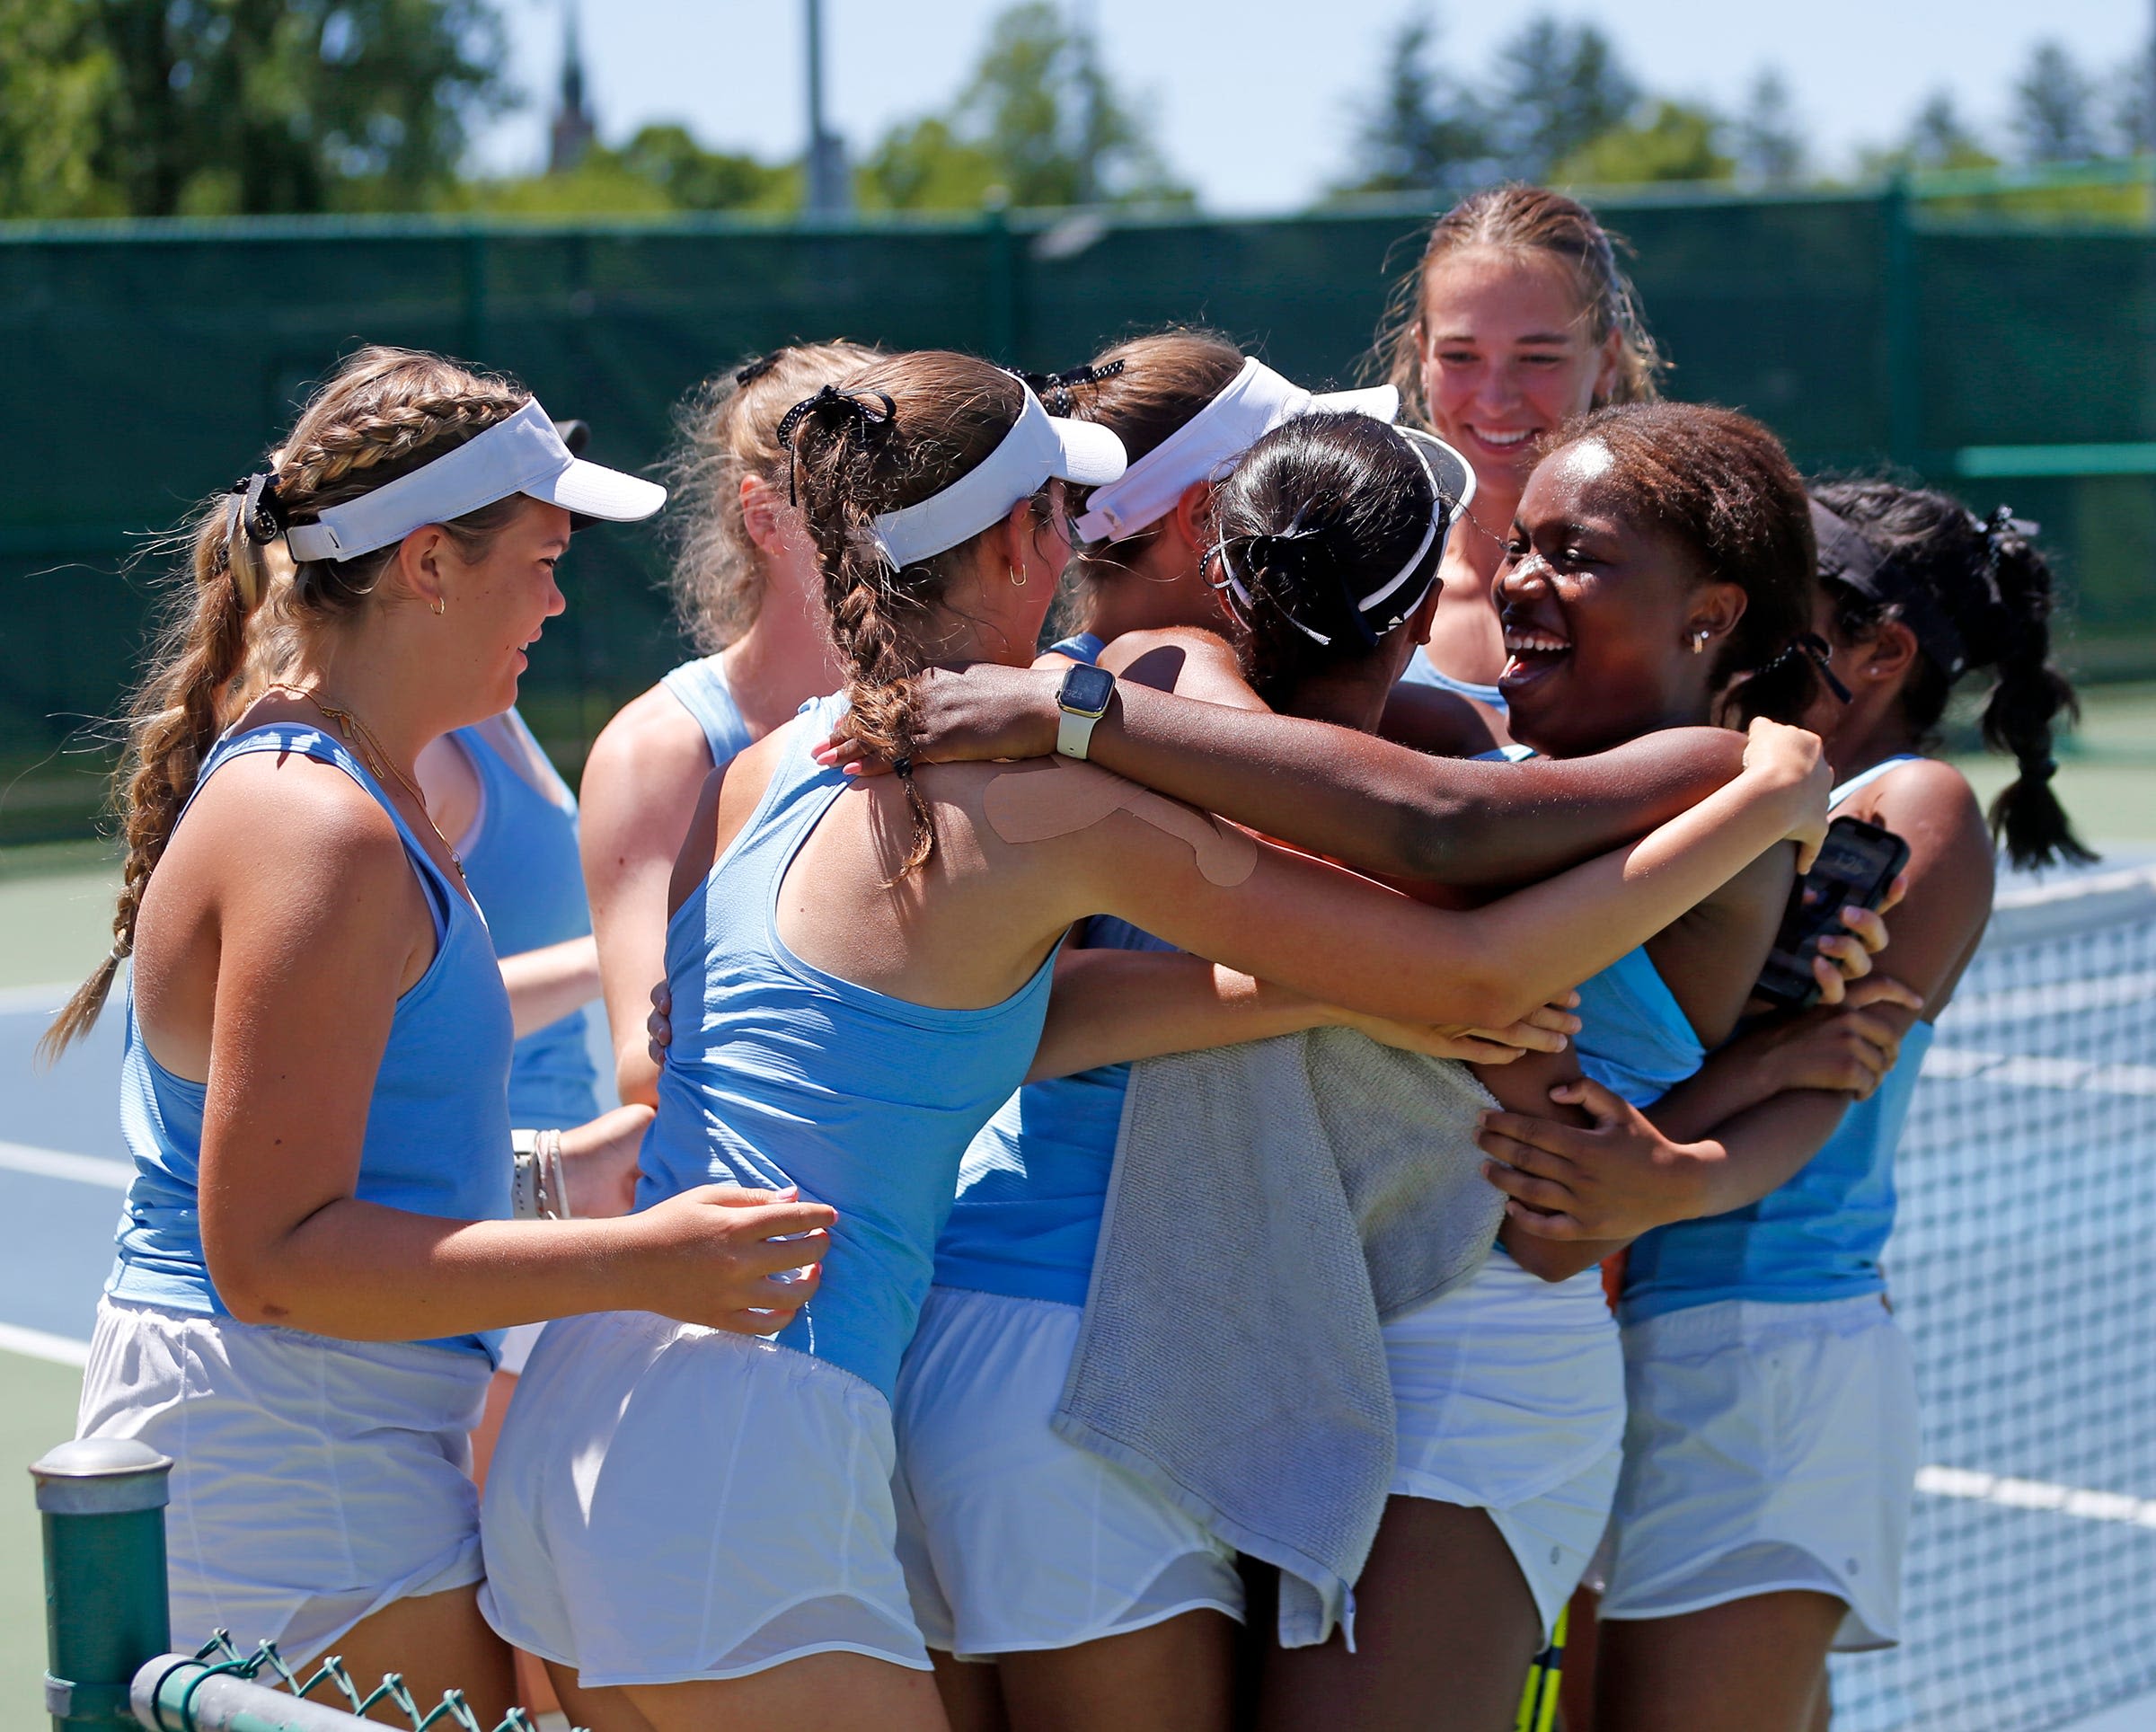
[(315, 1481), (1772, 1447), (669, 1503), (1013, 1539), (1510, 1396)]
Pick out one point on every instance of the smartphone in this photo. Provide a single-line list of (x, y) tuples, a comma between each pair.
[(1857, 866)]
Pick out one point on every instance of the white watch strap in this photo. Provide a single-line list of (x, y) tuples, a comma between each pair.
[(1074, 735)]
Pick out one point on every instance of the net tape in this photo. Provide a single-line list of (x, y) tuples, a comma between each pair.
[(220, 1656), (2023, 1270)]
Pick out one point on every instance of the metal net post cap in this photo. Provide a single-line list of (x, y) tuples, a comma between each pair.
[(102, 1476)]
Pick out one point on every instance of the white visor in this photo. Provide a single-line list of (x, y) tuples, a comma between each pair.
[(1040, 447), (1204, 447), (523, 454)]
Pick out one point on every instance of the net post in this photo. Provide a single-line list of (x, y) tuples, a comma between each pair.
[(101, 1504)]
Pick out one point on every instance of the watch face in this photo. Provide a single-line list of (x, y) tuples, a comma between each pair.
[(1087, 690)]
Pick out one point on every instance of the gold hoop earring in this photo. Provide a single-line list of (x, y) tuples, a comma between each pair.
[(440, 606), (1017, 578), (1698, 642)]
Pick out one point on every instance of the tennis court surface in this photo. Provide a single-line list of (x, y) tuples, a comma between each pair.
[(2022, 1270)]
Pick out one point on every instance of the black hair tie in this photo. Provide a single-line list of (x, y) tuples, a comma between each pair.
[(260, 511), (828, 399), (757, 368)]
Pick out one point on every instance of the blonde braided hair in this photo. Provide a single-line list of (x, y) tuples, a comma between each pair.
[(384, 413)]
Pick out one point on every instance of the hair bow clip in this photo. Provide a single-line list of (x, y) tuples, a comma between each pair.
[(830, 397)]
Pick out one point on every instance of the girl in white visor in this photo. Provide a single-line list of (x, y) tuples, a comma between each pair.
[(699, 1529), (1110, 1601), (1516, 318), (314, 1259), (747, 596)]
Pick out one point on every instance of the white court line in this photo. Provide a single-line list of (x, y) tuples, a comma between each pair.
[(2037, 1494), (57, 1164), (36, 1344)]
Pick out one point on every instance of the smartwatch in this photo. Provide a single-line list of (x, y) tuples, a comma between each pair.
[(1084, 700)]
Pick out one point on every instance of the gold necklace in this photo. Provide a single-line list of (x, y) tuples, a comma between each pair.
[(376, 761)]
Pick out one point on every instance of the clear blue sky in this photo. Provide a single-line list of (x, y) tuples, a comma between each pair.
[(1255, 101)]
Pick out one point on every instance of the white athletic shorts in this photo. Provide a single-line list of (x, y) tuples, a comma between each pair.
[(1013, 1539), (315, 1481), (669, 1503), (516, 1345), (1771, 1447), (1510, 1393)]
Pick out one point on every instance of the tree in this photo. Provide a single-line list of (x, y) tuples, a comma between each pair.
[(1675, 141), (1938, 138), (1768, 137), (221, 106), (2055, 109), (55, 79), (1039, 118), (696, 178), (1561, 86), (1424, 131)]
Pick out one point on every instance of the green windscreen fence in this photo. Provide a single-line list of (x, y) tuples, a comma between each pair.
[(147, 365)]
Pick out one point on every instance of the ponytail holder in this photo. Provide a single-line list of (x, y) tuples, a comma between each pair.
[(863, 413), (1811, 647), (757, 368), (1053, 389), (2042, 771), (254, 507)]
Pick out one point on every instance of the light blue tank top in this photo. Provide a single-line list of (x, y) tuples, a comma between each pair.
[(1034, 1183), (1634, 1038), (1821, 1235), (521, 861), (699, 687), (784, 1075), (437, 1123), (1421, 671)]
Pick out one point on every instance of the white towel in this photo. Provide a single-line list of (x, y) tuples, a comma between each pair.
[(1271, 1204)]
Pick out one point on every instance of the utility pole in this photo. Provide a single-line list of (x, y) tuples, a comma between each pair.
[(830, 187)]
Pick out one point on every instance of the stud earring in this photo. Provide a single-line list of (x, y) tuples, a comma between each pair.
[(1698, 641), (1017, 578)]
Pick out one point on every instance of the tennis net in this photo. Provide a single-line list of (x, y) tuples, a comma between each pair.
[(2024, 1270)]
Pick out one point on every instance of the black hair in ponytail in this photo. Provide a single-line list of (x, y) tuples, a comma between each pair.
[(1988, 581)]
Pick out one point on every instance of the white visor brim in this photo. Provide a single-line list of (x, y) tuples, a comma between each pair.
[(1040, 447), (522, 455)]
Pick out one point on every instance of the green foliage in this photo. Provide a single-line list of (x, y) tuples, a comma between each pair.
[(2055, 109), (1425, 129), (1560, 87), (696, 178), (217, 107), (1674, 141), (57, 76), (1937, 139), (1039, 118)]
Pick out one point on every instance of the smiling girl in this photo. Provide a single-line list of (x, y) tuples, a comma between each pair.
[(314, 1261), (1516, 319)]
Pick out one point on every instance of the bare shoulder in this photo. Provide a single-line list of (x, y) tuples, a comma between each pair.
[(286, 806), (651, 746), (1931, 807), (1185, 659)]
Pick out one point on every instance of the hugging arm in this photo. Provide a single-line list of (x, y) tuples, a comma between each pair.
[(1378, 806)]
